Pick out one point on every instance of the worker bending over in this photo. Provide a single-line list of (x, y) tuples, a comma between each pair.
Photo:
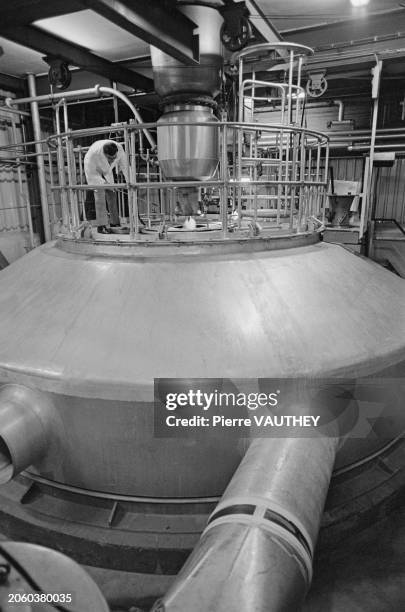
[(99, 162)]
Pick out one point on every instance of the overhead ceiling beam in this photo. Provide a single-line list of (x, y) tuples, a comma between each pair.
[(261, 23), (153, 22), (341, 57), (24, 12), (12, 83), (348, 30), (34, 38)]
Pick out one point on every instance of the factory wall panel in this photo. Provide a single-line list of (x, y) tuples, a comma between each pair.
[(319, 115), (13, 197), (14, 193), (389, 186), (390, 192), (347, 168)]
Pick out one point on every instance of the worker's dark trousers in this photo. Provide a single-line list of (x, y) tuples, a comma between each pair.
[(101, 196)]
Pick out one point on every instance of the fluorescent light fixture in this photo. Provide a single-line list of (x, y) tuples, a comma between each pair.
[(359, 2)]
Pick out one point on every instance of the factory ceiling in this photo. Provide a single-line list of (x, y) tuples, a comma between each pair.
[(110, 39)]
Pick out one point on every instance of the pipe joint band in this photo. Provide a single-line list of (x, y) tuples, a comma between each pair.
[(271, 521)]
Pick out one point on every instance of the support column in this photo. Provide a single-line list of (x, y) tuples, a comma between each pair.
[(40, 158)]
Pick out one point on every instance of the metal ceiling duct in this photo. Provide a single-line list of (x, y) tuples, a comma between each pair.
[(190, 151), (172, 78)]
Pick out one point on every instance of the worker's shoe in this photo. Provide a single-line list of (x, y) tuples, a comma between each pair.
[(103, 229)]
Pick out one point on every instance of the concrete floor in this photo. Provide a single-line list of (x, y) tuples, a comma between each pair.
[(365, 574)]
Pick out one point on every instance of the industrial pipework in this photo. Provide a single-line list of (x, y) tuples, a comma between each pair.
[(227, 175), (257, 550), (25, 429), (186, 148)]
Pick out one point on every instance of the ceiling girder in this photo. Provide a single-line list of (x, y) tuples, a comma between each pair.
[(261, 23), (34, 38), (24, 12), (153, 22), (348, 31), (12, 83)]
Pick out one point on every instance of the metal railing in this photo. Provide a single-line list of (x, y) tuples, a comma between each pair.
[(283, 185)]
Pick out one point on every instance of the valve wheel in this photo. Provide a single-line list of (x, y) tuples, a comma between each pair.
[(59, 75), (235, 42), (318, 89)]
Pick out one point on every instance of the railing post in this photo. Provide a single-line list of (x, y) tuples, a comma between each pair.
[(40, 159), (224, 182)]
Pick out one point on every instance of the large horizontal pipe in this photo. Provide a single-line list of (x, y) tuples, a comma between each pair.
[(25, 429), (336, 136), (387, 147), (256, 552), (79, 93), (97, 90), (14, 111)]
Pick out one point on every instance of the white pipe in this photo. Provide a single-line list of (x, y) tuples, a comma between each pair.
[(123, 97), (25, 429), (81, 93), (339, 104), (15, 111)]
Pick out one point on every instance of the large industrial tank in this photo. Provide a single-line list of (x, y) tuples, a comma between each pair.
[(88, 327), (88, 324)]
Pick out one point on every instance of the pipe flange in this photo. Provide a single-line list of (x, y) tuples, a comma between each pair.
[(188, 98)]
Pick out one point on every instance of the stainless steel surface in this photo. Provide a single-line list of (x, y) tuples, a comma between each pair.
[(271, 475), (112, 324), (190, 151), (172, 77), (246, 586), (187, 151), (26, 423), (249, 560)]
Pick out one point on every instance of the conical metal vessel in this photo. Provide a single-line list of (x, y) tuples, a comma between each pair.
[(95, 330)]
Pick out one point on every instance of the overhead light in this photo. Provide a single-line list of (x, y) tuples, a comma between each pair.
[(359, 2)]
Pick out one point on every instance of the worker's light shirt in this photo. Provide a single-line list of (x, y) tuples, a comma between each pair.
[(98, 169)]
